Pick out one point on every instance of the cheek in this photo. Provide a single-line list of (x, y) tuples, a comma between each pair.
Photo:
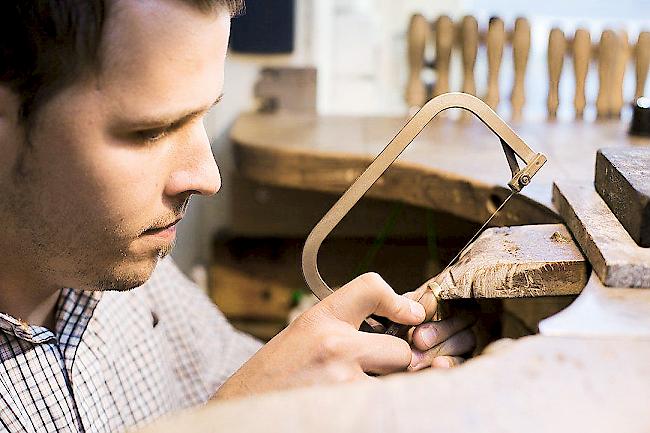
[(105, 184), (127, 183)]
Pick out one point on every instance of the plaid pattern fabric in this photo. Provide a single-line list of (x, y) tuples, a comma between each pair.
[(117, 359)]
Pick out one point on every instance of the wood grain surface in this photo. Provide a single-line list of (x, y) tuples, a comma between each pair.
[(623, 182), (517, 262), (616, 258), (454, 166)]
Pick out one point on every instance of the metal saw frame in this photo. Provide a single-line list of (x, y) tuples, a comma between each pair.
[(512, 145)]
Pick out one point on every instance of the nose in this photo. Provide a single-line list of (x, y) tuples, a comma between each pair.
[(195, 170)]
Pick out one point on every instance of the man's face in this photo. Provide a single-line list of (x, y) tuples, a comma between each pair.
[(114, 158)]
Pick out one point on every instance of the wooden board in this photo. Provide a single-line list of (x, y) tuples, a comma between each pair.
[(616, 258), (454, 166), (535, 385), (517, 262), (623, 182)]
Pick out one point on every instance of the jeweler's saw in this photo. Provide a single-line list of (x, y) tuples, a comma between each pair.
[(512, 144)]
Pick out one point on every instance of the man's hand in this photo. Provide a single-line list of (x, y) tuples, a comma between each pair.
[(324, 345), (440, 344)]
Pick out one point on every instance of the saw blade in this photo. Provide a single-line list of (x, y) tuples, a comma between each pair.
[(396, 329), (478, 232)]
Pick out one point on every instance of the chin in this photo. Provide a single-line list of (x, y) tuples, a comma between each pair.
[(128, 275)]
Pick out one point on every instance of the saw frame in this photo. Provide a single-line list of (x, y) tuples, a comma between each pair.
[(512, 144)]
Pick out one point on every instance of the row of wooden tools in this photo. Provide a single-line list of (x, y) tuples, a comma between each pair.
[(612, 53)]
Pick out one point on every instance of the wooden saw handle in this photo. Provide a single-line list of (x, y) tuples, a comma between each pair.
[(581, 57), (606, 58), (642, 54), (469, 47), (520, 50), (618, 71), (496, 37), (418, 33), (444, 43), (556, 51)]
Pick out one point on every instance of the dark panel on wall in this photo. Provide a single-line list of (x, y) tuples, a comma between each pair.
[(267, 27)]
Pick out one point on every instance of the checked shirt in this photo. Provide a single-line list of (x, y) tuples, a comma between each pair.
[(117, 359)]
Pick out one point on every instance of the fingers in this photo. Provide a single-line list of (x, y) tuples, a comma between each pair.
[(370, 294), (430, 334), (383, 354), (461, 343), (446, 361), (426, 298)]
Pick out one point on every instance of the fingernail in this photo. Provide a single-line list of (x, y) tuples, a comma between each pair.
[(416, 358), (417, 310), (429, 336)]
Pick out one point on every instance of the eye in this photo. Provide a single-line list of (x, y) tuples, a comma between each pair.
[(152, 135)]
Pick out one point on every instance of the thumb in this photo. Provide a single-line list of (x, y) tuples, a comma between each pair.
[(369, 294)]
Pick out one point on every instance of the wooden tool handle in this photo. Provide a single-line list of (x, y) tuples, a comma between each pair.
[(496, 37), (520, 50), (606, 58), (469, 37), (444, 43), (642, 54), (581, 57), (418, 34), (556, 51), (618, 73)]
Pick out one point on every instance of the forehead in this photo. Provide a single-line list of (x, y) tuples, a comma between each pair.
[(162, 53)]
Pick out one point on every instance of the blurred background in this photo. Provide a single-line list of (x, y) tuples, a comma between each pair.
[(350, 58)]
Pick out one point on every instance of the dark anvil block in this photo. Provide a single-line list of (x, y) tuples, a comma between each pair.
[(623, 181)]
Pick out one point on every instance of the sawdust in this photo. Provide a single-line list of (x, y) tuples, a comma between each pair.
[(560, 238), (511, 247)]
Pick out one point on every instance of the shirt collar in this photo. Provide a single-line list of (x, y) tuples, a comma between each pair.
[(74, 309)]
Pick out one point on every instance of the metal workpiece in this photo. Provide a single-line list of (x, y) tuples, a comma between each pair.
[(513, 147)]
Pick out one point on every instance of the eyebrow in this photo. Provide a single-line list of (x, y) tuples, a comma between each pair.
[(170, 119)]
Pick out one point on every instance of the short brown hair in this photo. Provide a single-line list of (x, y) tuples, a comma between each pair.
[(46, 45)]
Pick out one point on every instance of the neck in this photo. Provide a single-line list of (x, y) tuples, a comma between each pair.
[(43, 313), (26, 299)]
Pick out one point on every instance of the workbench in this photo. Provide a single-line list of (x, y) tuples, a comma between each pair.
[(589, 369), (454, 166)]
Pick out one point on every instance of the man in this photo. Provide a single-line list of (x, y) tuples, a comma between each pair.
[(101, 108)]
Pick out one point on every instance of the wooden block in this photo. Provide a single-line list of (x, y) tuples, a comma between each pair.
[(613, 254), (517, 262), (623, 181)]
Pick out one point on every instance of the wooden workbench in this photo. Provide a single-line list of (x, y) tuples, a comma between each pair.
[(454, 166), (559, 381)]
